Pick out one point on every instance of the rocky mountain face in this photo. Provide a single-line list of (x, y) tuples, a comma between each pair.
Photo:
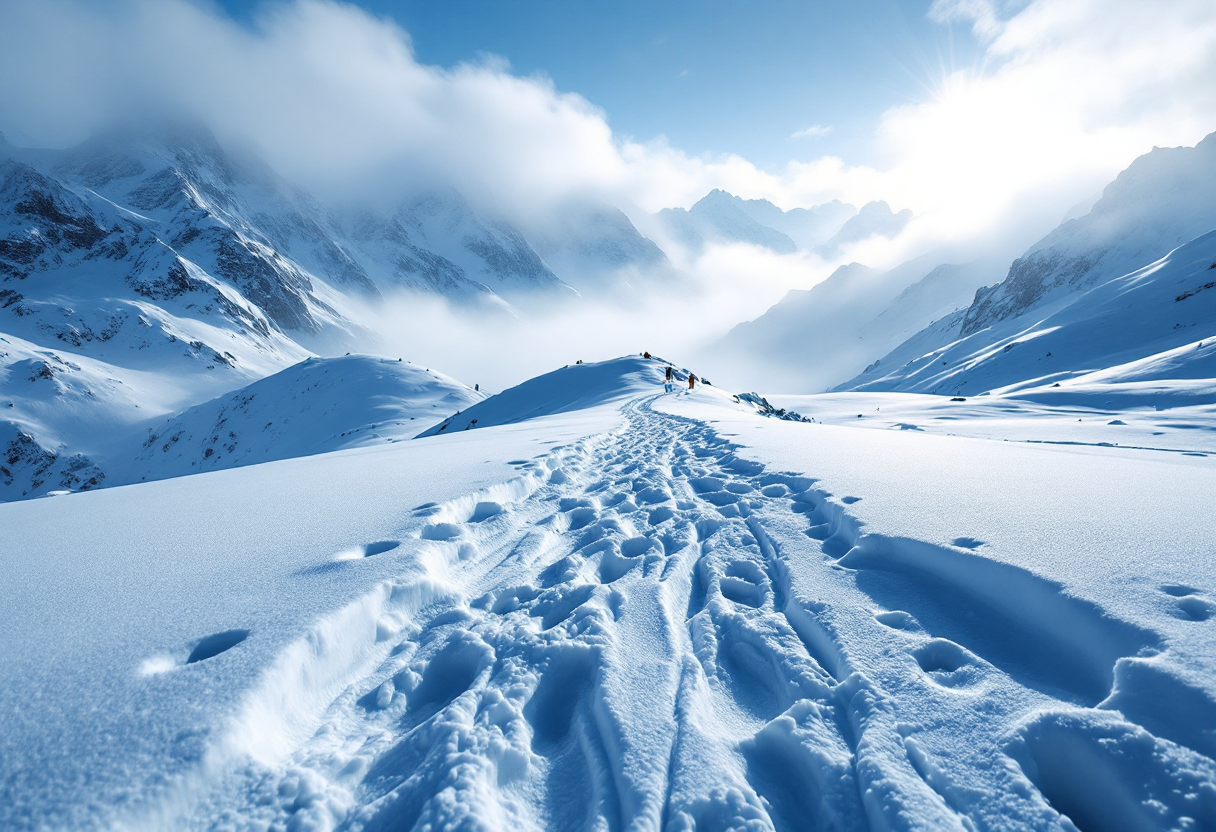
[(143, 273), (1161, 201)]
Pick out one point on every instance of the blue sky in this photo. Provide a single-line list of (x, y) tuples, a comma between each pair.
[(714, 76)]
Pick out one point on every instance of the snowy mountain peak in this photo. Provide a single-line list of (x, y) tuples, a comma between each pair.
[(722, 217), (1163, 199), (875, 219)]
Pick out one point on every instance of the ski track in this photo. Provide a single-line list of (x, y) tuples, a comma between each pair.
[(658, 634)]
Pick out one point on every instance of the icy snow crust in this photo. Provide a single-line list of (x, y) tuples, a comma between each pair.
[(652, 612)]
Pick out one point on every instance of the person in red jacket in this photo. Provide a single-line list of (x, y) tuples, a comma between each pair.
[(692, 380)]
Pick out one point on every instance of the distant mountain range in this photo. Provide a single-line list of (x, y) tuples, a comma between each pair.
[(145, 273), (813, 338), (722, 218), (163, 301), (140, 274)]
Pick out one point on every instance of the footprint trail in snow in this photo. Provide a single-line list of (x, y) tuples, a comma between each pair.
[(662, 635)]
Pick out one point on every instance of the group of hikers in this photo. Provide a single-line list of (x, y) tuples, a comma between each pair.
[(669, 383)]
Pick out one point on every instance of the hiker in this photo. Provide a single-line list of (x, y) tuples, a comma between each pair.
[(667, 385), (646, 354), (692, 380)]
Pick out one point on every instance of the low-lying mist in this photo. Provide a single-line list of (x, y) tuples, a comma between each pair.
[(675, 318)]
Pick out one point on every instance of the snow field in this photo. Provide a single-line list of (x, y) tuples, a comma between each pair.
[(679, 616), (1011, 665), (1160, 419), (102, 587), (667, 635)]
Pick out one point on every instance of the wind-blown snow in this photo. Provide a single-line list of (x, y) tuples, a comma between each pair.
[(629, 610)]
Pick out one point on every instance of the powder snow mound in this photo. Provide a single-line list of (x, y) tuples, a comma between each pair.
[(316, 406), (573, 387)]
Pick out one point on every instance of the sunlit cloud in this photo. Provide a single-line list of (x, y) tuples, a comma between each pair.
[(1071, 91)]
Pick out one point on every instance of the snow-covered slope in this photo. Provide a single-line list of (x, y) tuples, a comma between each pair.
[(943, 290), (60, 410), (316, 406), (1158, 322), (657, 612), (818, 337), (1162, 200), (75, 424), (574, 387)]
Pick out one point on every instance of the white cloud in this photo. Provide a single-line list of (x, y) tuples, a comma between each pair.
[(671, 319), (1069, 91), (328, 92), (813, 132)]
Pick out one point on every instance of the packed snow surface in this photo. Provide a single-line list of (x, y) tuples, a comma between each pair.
[(609, 607)]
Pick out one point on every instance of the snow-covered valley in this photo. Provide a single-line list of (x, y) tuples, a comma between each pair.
[(644, 610)]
